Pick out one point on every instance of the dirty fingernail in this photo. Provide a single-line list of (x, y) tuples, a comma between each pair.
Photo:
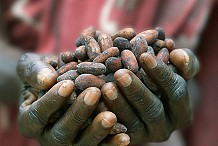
[(150, 61), (91, 98), (109, 120), (186, 57), (66, 88), (43, 74), (125, 80), (111, 94)]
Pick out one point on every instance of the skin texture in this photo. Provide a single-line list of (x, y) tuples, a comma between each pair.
[(151, 119), (35, 114)]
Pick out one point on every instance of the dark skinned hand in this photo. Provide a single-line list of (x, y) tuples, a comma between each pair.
[(35, 114), (147, 117)]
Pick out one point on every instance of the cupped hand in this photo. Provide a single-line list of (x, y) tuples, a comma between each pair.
[(148, 117), (36, 114)]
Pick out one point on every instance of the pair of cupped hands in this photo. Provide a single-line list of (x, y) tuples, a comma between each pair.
[(147, 117)]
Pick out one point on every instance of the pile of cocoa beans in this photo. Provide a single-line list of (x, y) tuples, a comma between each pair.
[(98, 55)]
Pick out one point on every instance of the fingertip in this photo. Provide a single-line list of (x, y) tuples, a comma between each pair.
[(92, 96), (180, 58), (109, 91), (66, 88), (149, 60), (123, 77), (46, 78), (121, 139), (186, 62), (108, 119)]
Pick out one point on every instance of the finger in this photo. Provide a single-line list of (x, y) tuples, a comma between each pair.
[(147, 105), (125, 114), (67, 127), (98, 130), (121, 139), (174, 86), (186, 62), (33, 118), (35, 72)]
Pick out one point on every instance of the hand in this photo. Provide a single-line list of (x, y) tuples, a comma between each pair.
[(186, 62), (148, 118), (35, 114)]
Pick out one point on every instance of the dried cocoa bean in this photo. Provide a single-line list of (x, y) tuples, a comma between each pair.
[(88, 80), (129, 61), (110, 52), (127, 33), (113, 64), (122, 44), (91, 68), (93, 49), (105, 41)]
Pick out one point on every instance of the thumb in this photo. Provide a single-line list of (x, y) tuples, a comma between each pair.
[(186, 62), (35, 72)]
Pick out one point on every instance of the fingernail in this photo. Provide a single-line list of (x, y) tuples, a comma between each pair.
[(186, 56), (150, 61), (91, 98), (109, 120), (43, 74), (123, 138), (125, 80), (66, 88), (111, 94)]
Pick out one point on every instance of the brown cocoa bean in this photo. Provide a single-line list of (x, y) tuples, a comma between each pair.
[(81, 53), (97, 33), (127, 33), (110, 52), (88, 80), (129, 61), (122, 44), (163, 55), (60, 61), (140, 46), (158, 45), (93, 49), (113, 64), (67, 67), (90, 31), (161, 33), (105, 41), (69, 75), (118, 128), (68, 57), (91, 68), (80, 41), (170, 44), (149, 35)]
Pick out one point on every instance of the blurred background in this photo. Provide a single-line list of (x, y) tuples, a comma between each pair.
[(52, 26)]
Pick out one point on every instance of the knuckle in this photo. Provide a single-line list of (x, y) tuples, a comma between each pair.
[(179, 89), (78, 118), (136, 126), (160, 137), (36, 117), (137, 95), (154, 112), (61, 136)]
